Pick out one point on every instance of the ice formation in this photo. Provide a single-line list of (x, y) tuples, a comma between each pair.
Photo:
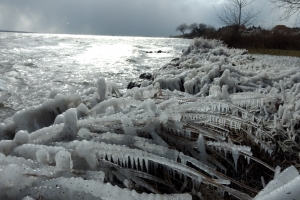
[(284, 186), (169, 139)]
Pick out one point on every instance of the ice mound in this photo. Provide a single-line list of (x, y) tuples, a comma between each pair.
[(40, 116), (206, 124)]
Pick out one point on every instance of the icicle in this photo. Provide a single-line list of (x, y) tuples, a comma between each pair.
[(199, 180), (235, 156), (201, 148), (115, 159), (281, 84), (173, 173), (248, 160), (277, 171), (263, 181), (221, 192), (183, 160), (188, 134), (147, 165), (239, 126), (123, 162), (131, 162), (244, 115), (141, 163)]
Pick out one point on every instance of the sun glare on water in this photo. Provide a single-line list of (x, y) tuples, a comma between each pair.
[(106, 53)]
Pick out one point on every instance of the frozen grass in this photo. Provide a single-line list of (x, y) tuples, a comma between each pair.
[(276, 52)]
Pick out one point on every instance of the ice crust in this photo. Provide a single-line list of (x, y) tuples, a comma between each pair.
[(102, 144), (283, 186)]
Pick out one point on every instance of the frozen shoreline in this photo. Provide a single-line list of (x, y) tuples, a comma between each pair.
[(180, 128)]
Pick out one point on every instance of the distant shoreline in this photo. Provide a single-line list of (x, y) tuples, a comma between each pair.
[(8, 31)]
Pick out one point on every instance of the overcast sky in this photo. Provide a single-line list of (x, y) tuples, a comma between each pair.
[(116, 17)]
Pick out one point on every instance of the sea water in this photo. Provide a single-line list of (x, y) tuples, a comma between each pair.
[(32, 65)]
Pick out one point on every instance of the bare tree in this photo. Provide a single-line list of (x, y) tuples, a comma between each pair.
[(202, 28), (289, 7), (193, 27), (182, 28), (237, 13)]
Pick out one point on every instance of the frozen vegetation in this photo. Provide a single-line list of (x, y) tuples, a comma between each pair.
[(215, 123)]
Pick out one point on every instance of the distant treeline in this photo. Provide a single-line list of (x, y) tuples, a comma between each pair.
[(241, 37)]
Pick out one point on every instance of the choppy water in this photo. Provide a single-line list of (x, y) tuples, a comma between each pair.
[(31, 65)]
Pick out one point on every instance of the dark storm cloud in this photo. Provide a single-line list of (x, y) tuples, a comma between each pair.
[(107, 17), (112, 17)]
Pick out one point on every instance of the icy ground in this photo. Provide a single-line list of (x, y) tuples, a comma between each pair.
[(192, 131)]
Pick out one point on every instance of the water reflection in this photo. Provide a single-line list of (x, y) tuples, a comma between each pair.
[(70, 63)]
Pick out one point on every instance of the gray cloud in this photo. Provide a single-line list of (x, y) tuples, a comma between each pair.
[(112, 17)]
